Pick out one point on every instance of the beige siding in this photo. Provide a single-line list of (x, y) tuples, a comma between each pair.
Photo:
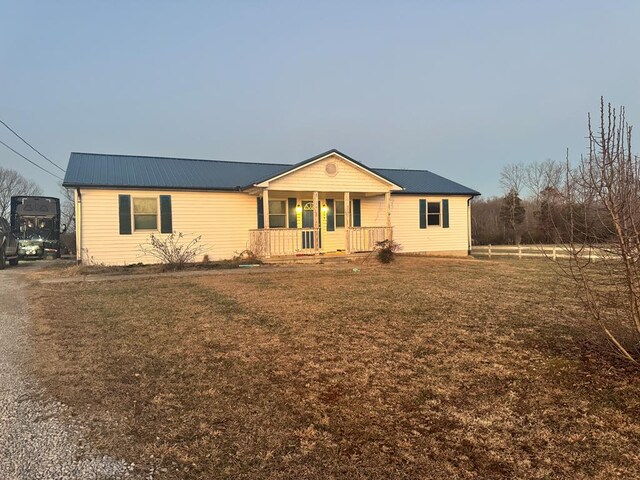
[(313, 177), (225, 218), (222, 218), (405, 218)]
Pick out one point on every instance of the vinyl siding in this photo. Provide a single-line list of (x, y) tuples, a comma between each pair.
[(223, 219), (313, 177), (406, 223)]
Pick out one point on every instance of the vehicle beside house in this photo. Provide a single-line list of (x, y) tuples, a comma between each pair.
[(329, 203), (35, 221)]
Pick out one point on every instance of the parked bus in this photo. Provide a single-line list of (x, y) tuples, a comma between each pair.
[(36, 223)]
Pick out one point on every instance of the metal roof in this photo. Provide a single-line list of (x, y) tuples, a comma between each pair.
[(130, 171), (424, 181)]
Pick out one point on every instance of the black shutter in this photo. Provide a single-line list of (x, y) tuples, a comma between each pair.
[(293, 215), (331, 224), (260, 213), (124, 203), (356, 212), (445, 213), (423, 213), (166, 221)]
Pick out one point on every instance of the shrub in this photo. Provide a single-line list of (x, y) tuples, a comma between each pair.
[(246, 256), (386, 250), (173, 250)]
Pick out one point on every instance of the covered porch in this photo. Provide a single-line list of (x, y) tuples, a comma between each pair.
[(307, 223)]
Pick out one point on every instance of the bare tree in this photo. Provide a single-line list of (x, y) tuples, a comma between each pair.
[(486, 225), (68, 208), (542, 176), (11, 184), (602, 205), (512, 177)]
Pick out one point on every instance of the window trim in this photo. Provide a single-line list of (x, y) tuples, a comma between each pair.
[(133, 214), (336, 214), (285, 214), (439, 203)]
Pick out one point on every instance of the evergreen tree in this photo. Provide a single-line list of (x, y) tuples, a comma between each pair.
[(512, 213)]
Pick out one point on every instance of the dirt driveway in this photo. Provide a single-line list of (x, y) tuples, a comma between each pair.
[(37, 441)]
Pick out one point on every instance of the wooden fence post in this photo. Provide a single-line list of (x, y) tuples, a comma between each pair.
[(554, 253), (489, 250), (519, 252)]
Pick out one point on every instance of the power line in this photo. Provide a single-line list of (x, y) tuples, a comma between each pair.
[(32, 147), (31, 162)]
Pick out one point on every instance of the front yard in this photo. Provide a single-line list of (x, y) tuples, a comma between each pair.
[(429, 368)]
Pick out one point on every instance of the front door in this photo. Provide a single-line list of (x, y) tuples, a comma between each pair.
[(308, 237)]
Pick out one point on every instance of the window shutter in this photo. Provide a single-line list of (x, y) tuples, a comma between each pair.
[(166, 221), (423, 213), (331, 224), (124, 205), (356, 212), (260, 213), (445, 213), (293, 216)]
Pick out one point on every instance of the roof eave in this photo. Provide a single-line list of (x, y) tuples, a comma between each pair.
[(147, 187), (459, 194)]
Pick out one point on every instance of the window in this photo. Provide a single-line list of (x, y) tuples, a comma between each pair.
[(339, 213), (145, 213), (277, 214), (433, 213)]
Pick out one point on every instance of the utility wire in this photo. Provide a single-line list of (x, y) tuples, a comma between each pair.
[(31, 162), (32, 147)]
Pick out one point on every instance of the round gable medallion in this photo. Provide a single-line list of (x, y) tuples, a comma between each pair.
[(331, 169)]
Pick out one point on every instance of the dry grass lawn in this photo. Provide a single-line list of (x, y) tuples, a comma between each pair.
[(429, 368)]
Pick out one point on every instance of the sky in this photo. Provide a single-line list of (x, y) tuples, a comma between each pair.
[(460, 88)]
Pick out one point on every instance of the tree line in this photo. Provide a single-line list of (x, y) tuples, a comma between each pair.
[(531, 209)]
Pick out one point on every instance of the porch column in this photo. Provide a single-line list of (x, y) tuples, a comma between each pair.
[(266, 233), (265, 207), (316, 232), (347, 222), (387, 201)]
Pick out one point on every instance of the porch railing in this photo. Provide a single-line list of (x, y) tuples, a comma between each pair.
[(266, 242), (302, 241), (364, 239)]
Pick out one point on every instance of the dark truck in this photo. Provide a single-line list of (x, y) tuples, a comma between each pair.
[(35, 221), (8, 245)]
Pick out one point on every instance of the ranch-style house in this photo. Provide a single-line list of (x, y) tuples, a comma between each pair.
[(327, 204)]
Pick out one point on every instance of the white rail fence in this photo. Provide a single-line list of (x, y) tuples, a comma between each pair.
[(553, 252)]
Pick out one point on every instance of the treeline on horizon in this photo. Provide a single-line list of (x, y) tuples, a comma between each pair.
[(541, 204)]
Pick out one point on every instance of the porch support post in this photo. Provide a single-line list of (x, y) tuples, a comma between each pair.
[(347, 222), (266, 232), (387, 201), (265, 207), (316, 231)]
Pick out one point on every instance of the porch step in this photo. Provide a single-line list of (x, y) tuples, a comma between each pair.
[(315, 259)]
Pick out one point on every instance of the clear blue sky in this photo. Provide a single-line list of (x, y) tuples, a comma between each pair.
[(457, 87)]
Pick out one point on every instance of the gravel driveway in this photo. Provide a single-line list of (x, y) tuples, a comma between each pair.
[(36, 439)]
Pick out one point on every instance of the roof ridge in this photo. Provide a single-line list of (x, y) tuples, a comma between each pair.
[(405, 169), (182, 158)]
